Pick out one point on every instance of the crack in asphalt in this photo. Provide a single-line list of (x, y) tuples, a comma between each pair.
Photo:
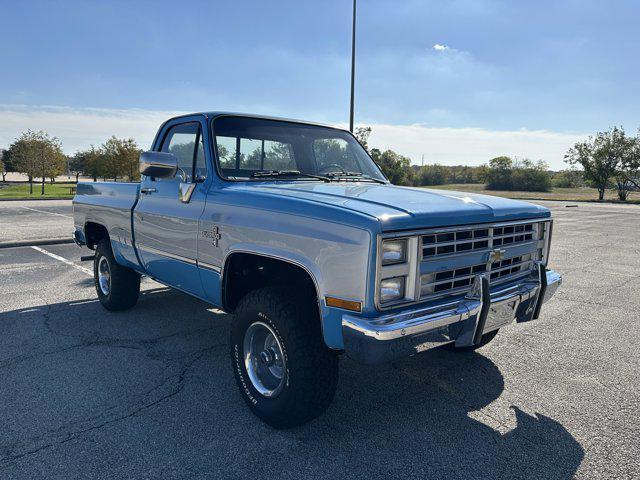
[(66, 433), (168, 386)]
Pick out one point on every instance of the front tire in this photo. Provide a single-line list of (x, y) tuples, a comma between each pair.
[(285, 372), (117, 287)]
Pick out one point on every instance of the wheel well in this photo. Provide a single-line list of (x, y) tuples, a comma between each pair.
[(244, 272), (94, 232)]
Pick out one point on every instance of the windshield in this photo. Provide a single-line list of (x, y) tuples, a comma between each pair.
[(254, 148)]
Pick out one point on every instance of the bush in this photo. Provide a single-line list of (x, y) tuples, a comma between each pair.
[(568, 179), (522, 175), (498, 176), (432, 175), (396, 168)]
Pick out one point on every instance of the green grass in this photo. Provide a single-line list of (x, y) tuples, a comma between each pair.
[(10, 191), (21, 191), (561, 194)]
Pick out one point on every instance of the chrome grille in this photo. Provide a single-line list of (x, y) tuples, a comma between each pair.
[(474, 239), (452, 258)]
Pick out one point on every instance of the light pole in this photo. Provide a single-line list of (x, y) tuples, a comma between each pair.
[(353, 64)]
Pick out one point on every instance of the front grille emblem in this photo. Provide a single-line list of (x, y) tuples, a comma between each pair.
[(496, 255)]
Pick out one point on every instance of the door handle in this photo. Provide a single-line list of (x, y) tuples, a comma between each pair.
[(147, 191)]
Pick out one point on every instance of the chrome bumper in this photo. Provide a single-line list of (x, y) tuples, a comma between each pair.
[(385, 338)]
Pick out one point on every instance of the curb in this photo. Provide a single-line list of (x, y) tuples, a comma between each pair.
[(29, 243), (31, 199)]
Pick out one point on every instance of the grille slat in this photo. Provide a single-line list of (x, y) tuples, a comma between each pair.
[(476, 238), (475, 242)]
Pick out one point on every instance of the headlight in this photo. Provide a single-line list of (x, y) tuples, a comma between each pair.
[(392, 289), (394, 251)]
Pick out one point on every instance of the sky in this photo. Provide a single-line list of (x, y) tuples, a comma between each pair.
[(457, 82)]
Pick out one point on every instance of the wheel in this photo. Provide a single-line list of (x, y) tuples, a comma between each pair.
[(486, 338), (285, 372), (118, 287)]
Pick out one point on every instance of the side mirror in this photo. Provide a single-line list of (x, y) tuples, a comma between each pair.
[(158, 164)]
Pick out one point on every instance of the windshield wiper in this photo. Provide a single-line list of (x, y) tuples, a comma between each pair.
[(358, 175), (287, 173)]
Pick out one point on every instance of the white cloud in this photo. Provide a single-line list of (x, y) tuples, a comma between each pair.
[(77, 128), (440, 48)]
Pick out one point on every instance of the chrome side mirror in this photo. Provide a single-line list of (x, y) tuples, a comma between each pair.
[(158, 164)]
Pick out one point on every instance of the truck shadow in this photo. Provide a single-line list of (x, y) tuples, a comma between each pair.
[(440, 415), (159, 376)]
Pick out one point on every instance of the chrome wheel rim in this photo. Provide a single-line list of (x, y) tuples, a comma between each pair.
[(104, 276), (263, 359)]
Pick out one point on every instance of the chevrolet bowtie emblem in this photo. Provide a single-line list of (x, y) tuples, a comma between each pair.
[(496, 255)]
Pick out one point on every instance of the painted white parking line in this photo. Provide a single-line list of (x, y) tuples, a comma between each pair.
[(63, 260), (49, 213)]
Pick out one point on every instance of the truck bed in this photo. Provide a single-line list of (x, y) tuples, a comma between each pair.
[(109, 204)]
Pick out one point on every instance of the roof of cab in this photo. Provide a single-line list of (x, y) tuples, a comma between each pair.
[(211, 115)]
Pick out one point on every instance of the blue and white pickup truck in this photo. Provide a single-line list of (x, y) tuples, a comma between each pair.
[(293, 228)]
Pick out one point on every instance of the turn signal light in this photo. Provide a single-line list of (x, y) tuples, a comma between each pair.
[(345, 304)]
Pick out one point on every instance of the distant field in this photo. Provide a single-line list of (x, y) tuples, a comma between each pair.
[(21, 190), (566, 194)]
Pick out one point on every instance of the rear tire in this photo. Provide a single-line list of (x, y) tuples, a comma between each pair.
[(118, 287), (285, 372)]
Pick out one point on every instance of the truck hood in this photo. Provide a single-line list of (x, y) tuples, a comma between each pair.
[(398, 208)]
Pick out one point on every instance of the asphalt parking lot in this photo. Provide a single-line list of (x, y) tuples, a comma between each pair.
[(149, 393), (35, 220)]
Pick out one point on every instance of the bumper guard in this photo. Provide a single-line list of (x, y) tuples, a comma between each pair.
[(392, 336)]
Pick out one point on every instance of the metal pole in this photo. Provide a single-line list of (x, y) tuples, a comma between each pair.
[(353, 64)]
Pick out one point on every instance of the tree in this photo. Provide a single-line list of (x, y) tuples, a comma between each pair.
[(530, 176), (59, 165), (395, 167), (628, 175), (121, 157), (22, 157), (90, 162), (362, 135), (601, 158), (498, 177), (37, 155), (525, 175), (568, 179), (78, 164), (432, 175), (3, 167), (9, 162)]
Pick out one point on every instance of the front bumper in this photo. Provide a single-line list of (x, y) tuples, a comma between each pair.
[(388, 337)]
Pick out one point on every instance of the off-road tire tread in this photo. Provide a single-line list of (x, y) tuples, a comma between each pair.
[(313, 366), (125, 282)]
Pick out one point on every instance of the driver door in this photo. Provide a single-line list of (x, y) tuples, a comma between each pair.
[(168, 211)]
